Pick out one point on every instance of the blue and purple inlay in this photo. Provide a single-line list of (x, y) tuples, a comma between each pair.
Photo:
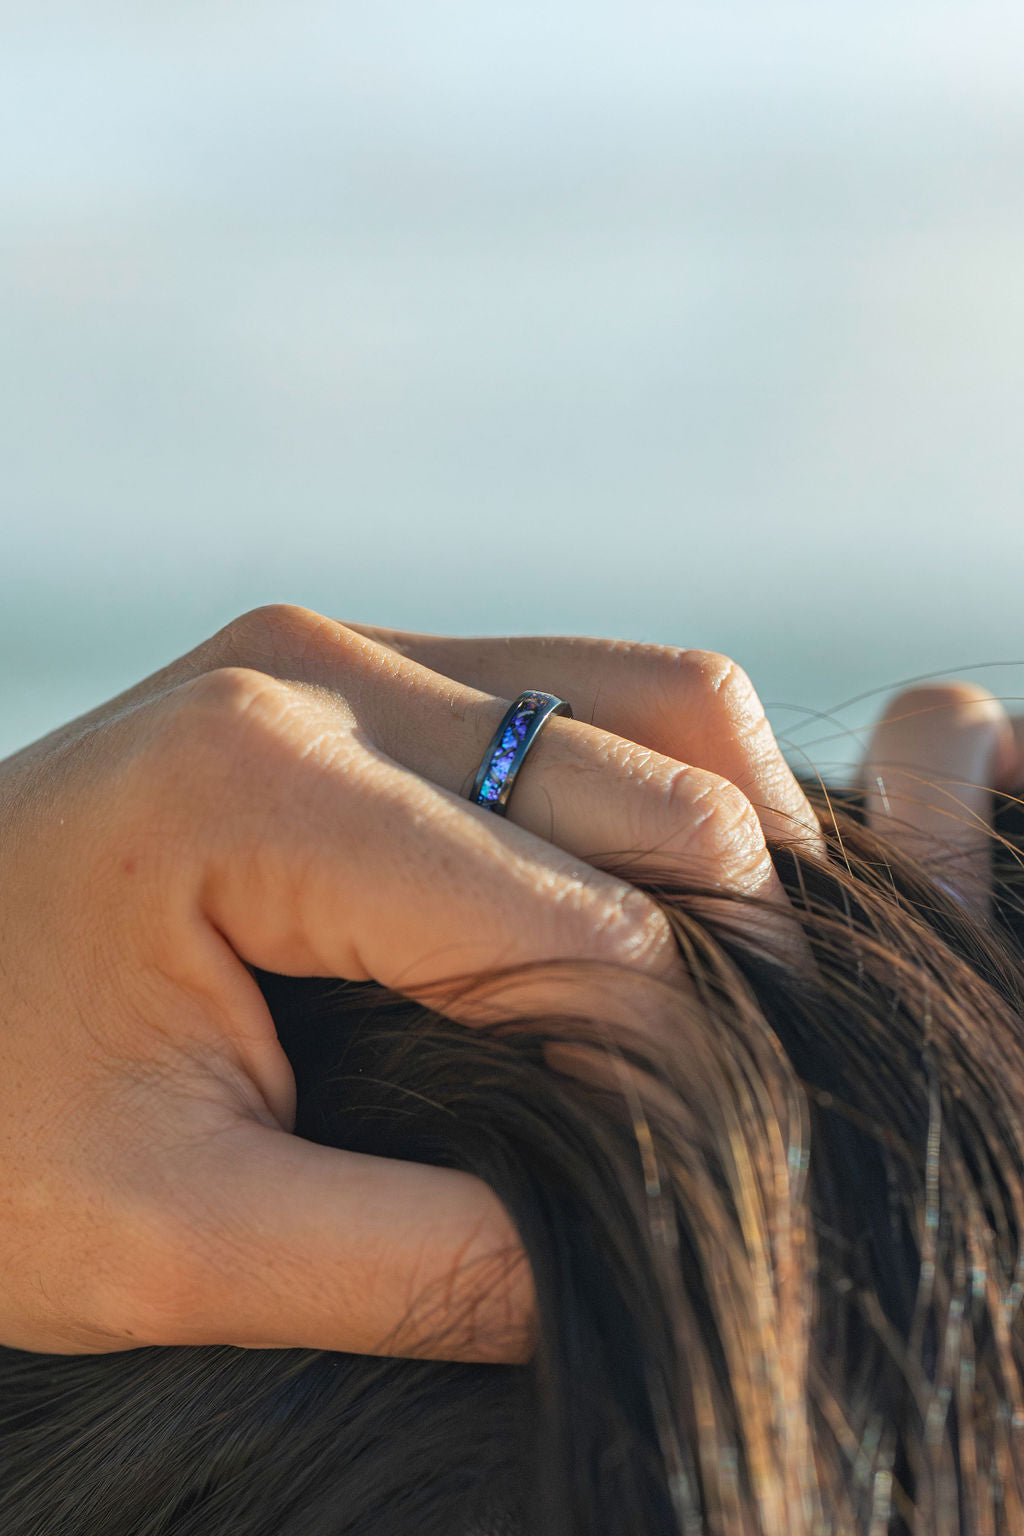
[(512, 738), (516, 733)]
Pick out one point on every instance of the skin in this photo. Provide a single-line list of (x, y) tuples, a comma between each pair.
[(931, 763), (290, 795)]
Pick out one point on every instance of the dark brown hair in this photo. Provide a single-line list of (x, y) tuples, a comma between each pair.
[(775, 1225)]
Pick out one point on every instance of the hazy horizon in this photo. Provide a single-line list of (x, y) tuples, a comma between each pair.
[(698, 326)]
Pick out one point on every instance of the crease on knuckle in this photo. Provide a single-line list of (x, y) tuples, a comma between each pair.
[(710, 688), (734, 696), (632, 931), (673, 805), (726, 843), (681, 803)]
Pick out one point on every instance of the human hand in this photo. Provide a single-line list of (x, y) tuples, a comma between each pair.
[(288, 796), (932, 762)]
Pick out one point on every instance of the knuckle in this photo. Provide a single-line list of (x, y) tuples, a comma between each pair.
[(217, 703), (266, 630), (724, 839), (728, 691), (710, 689), (684, 792), (212, 728), (284, 638), (633, 931), (217, 736)]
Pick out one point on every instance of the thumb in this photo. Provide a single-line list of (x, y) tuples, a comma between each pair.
[(288, 1243)]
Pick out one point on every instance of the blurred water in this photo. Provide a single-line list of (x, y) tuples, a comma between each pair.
[(700, 325)]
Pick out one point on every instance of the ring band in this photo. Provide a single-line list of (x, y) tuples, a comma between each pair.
[(509, 745)]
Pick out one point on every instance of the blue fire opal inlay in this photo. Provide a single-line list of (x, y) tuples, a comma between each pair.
[(512, 739)]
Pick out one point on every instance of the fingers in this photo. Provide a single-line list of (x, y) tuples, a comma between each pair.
[(927, 778), (367, 869), (594, 794), (360, 868), (616, 804), (692, 705), (289, 1244), (695, 707)]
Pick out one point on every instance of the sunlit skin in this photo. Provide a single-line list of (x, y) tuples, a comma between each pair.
[(291, 795), (930, 764)]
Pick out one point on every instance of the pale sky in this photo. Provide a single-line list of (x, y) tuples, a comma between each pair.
[(701, 324)]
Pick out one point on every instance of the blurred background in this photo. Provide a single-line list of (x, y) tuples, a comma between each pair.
[(701, 324)]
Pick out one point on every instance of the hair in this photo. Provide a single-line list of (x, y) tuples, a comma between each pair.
[(776, 1226)]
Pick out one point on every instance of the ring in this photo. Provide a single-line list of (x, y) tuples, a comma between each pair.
[(509, 745)]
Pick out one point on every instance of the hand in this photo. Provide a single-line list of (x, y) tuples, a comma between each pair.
[(288, 796), (927, 776)]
